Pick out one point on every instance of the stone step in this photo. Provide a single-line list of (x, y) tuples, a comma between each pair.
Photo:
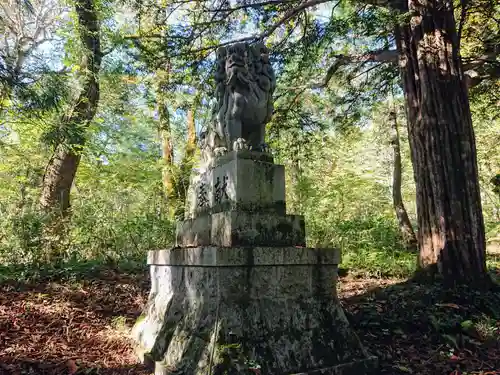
[(241, 228)]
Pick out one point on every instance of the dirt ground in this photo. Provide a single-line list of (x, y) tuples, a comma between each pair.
[(81, 327)]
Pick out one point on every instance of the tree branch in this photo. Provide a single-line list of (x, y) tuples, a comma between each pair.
[(400, 5), (475, 71), (258, 37), (255, 5), (291, 14), (474, 77), (380, 56)]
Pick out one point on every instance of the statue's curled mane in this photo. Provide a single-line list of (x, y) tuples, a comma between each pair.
[(245, 82)]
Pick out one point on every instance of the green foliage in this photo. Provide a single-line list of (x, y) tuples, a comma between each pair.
[(118, 208), (72, 271), (372, 246), (341, 182), (486, 126), (111, 223)]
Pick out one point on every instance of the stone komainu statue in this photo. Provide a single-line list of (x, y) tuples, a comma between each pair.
[(245, 84)]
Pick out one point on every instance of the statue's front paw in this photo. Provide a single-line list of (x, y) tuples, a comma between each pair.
[(219, 151), (264, 147), (240, 144)]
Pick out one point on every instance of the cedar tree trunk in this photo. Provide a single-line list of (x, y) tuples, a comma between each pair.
[(61, 168), (450, 221), (397, 198)]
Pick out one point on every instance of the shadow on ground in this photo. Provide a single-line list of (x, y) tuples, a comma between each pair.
[(424, 329)]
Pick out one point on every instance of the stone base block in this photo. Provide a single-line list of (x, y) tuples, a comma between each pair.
[(220, 310), (240, 228), (240, 180)]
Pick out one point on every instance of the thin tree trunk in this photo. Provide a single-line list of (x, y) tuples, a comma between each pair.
[(167, 155), (191, 133), (450, 221), (165, 132), (4, 96), (186, 165), (188, 158), (397, 198), (61, 168)]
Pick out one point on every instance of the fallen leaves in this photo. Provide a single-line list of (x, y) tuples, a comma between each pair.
[(58, 329), (81, 328), (452, 305), (403, 369), (422, 329)]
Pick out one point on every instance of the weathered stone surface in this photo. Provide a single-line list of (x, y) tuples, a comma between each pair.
[(211, 308), (244, 181), (241, 228), (235, 228), (243, 154), (213, 256), (194, 232)]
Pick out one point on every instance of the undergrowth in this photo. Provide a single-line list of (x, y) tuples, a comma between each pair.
[(70, 270), (371, 245), (100, 238), (93, 233)]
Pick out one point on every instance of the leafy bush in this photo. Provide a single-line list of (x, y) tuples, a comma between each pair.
[(108, 220)]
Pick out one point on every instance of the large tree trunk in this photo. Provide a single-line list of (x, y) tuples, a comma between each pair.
[(61, 168), (397, 198), (450, 221)]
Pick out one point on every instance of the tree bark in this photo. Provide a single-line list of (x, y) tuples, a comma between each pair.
[(189, 151), (450, 221), (58, 179), (62, 166), (397, 198)]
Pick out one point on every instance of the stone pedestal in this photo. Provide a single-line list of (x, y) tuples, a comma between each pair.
[(238, 181), (240, 291)]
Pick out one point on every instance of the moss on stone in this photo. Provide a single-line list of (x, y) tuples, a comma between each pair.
[(232, 360), (139, 320)]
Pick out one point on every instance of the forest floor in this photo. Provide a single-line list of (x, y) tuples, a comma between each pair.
[(81, 326)]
